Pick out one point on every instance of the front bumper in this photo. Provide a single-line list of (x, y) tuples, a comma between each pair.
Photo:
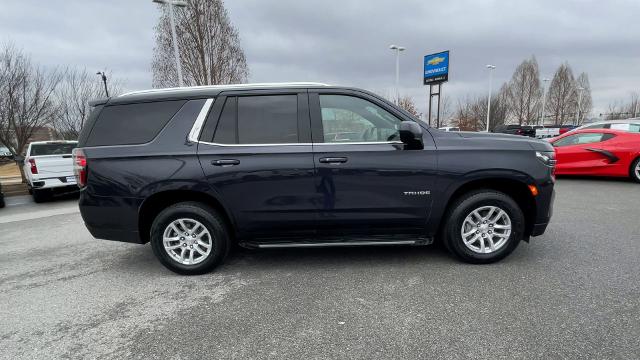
[(539, 229), (544, 206)]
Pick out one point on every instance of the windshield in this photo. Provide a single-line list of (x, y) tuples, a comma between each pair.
[(52, 149)]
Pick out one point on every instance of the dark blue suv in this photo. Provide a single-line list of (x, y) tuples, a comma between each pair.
[(196, 170)]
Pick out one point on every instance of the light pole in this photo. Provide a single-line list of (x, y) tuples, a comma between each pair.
[(174, 38), (544, 100), (104, 81), (491, 68), (579, 89), (397, 50)]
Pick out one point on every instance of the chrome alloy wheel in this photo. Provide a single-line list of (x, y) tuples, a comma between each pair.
[(187, 241), (637, 170), (486, 229)]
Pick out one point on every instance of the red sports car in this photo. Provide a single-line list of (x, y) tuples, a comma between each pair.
[(598, 152)]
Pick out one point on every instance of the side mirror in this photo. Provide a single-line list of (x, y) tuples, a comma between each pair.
[(411, 135)]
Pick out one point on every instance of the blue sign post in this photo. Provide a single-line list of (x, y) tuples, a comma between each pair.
[(436, 68), (436, 72)]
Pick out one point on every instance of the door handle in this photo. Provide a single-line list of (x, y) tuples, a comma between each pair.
[(333, 160), (225, 162)]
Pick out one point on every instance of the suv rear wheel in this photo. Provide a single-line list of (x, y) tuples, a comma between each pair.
[(484, 226), (189, 238)]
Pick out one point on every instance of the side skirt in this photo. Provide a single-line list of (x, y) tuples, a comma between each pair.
[(339, 242)]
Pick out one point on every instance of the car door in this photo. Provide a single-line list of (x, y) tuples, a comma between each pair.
[(257, 157), (367, 183), (581, 153)]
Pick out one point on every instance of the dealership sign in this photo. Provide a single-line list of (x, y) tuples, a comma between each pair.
[(436, 68)]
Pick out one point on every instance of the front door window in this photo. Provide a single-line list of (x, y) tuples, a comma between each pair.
[(348, 119)]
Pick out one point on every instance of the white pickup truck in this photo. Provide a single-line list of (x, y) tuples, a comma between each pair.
[(48, 167)]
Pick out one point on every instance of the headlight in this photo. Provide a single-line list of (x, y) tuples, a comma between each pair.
[(547, 157)]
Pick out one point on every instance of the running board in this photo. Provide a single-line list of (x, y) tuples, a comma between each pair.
[(335, 244)]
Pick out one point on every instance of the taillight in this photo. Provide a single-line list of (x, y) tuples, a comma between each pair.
[(80, 167), (34, 168)]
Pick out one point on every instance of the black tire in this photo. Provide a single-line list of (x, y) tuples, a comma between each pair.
[(209, 218), (2, 203), (40, 196), (464, 206), (632, 171)]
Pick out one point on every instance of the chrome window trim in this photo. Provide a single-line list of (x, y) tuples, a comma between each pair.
[(194, 134), (229, 87), (307, 144)]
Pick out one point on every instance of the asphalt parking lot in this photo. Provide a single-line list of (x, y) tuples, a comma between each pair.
[(571, 293)]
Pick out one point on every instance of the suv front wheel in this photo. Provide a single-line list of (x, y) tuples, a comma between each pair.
[(189, 238), (484, 226)]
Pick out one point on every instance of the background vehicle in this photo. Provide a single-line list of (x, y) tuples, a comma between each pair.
[(193, 170), (449, 128), (48, 167), (598, 152), (630, 125), (5, 153), (510, 129), (524, 130), (2, 204), (552, 131)]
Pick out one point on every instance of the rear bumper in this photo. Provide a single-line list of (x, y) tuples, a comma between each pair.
[(53, 182), (115, 235), (111, 218)]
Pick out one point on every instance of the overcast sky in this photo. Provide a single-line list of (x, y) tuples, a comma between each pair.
[(346, 42)]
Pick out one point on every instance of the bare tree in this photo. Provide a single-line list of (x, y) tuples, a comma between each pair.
[(74, 92), (209, 45), (615, 111), (586, 102), (28, 98), (524, 92), (562, 96), (446, 112), (621, 109), (471, 113), (406, 102), (634, 105)]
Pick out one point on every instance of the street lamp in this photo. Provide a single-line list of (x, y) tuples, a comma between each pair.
[(176, 54), (579, 89), (491, 68), (397, 50), (544, 100), (104, 81)]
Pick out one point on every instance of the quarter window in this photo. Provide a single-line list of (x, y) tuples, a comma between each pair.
[(580, 139), (132, 123), (350, 119)]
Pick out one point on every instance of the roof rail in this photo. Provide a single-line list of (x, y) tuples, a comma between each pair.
[(225, 87)]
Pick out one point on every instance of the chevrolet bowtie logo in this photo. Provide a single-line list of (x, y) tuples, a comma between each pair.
[(435, 61)]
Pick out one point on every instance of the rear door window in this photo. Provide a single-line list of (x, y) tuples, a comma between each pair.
[(264, 119), (132, 123)]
